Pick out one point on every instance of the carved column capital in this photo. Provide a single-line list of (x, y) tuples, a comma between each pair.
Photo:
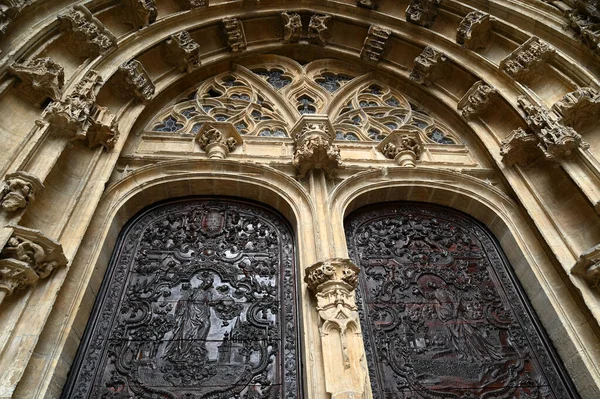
[(182, 52), (87, 35), (429, 66), (234, 31), (40, 78), (319, 29), (403, 145), (218, 139), (27, 256), (475, 30), (524, 63), (374, 44), (422, 12), (133, 80), (141, 13), (478, 98), (19, 188), (314, 149), (588, 267), (292, 27), (332, 272)]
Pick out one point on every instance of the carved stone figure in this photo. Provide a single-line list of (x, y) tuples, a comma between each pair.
[(133, 80), (429, 66), (318, 29), (313, 136), (86, 35), (218, 139), (474, 30), (579, 109), (422, 12), (182, 52), (19, 188), (374, 43), (40, 79), (141, 13), (478, 98), (234, 31), (292, 27), (525, 62), (403, 145)]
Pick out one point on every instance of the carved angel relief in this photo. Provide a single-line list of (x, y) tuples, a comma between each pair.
[(441, 315), (199, 303)]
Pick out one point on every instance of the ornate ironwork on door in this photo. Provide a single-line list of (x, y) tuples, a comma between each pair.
[(198, 303), (441, 311)]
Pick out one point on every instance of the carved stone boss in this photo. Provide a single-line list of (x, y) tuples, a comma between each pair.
[(40, 78), (79, 117), (477, 99), (26, 257), (403, 145), (525, 62), (314, 135), (374, 44), (234, 30), (218, 139), (429, 66), (474, 31), (19, 188), (547, 138), (141, 12), (182, 52), (87, 35), (422, 12), (588, 267), (133, 80)]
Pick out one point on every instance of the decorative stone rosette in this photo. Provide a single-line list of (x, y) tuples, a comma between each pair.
[(314, 137), (403, 145), (218, 139)]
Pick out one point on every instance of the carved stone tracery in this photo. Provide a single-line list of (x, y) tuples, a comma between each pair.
[(374, 44), (474, 31), (584, 19), (86, 34), (19, 188), (429, 66), (40, 79)]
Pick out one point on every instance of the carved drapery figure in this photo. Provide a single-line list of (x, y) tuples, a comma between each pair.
[(585, 21), (588, 267), (440, 313), (141, 13), (9, 10)]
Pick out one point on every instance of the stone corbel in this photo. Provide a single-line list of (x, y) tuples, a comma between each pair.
[(374, 44), (525, 62), (18, 190), (141, 13), (370, 4), (333, 283), (133, 80), (292, 27), (479, 97), (319, 29), (579, 109), (234, 31), (183, 52), (588, 267), (192, 4), (403, 146), (474, 31), (313, 135), (520, 147), (27, 255), (218, 139), (87, 35), (429, 66), (422, 12), (40, 79)]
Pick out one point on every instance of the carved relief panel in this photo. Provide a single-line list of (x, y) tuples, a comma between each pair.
[(198, 302), (442, 314)]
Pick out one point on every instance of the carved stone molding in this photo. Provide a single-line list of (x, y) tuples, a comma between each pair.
[(133, 80), (319, 29), (26, 257), (292, 27), (19, 188), (525, 62), (521, 148), (422, 12), (314, 135), (588, 267), (234, 30), (429, 66), (87, 35), (370, 4), (141, 13), (9, 10), (79, 117), (478, 98), (182, 52), (475, 30), (40, 78), (192, 4), (579, 109), (218, 139), (403, 145), (374, 44)]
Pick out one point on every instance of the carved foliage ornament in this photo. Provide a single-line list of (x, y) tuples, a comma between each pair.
[(234, 31), (40, 78), (475, 30), (28, 256), (429, 66), (374, 44), (199, 302), (87, 35), (441, 314), (182, 52), (422, 12), (19, 188)]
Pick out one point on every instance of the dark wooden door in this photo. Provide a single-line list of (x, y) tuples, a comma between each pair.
[(441, 311), (198, 302)]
